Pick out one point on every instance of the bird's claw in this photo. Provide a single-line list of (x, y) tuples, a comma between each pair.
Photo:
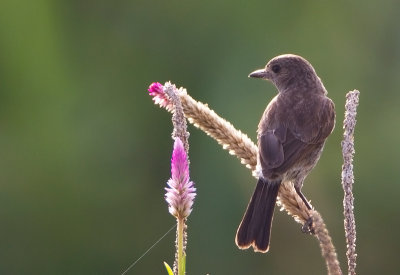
[(308, 227)]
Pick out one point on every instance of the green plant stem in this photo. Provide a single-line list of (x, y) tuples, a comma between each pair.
[(181, 224)]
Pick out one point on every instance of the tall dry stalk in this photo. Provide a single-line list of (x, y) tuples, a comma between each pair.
[(349, 124)]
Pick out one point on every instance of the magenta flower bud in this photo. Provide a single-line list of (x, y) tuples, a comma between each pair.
[(156, 90), (180, 191)]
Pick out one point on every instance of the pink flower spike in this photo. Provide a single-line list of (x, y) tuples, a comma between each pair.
[(179, 163), (156, 90), (180, 191)]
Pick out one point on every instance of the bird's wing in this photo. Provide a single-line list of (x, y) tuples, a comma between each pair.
[(271, 147), (282, 146), (316, 131), (279, 149)]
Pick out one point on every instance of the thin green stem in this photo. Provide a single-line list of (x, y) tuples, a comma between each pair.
[(180, 236)]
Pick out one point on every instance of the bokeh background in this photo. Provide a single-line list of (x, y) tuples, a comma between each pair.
[(85, 154)]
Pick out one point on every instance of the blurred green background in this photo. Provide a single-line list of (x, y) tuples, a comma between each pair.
[(85, 154)]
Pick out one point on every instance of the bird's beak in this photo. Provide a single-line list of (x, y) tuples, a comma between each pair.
[(262, 73)]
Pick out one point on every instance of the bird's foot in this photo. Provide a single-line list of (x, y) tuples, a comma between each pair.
[(308, 227)]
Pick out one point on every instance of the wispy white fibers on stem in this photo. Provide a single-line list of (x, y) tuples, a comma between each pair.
[(352, 99)]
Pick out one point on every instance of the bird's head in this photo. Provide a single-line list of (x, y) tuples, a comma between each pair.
[(288, 70)]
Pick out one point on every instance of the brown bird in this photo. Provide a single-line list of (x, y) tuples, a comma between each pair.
[(291, 136)]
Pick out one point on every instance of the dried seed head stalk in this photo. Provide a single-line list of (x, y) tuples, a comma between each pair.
[(178, 117), (325, 242), (290, 201), (349, 124), (222, 131)]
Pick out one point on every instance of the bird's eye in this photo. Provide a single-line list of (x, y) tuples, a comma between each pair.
[(276, 68)]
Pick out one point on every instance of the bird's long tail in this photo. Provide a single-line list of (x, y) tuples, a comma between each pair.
[(255, 228)]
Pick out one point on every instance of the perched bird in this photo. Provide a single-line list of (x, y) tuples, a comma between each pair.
[(291, 136)]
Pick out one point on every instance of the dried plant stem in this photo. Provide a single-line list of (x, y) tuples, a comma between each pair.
[(349, 124), (221, 130), (325, 241), (290, 201), (178, 117)]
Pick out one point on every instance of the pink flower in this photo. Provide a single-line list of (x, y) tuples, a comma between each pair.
[(156, 90), (180, 191)]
